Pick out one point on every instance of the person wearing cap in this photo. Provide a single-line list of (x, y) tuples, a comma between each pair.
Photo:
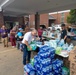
[(53, 32), (26, 44), (19, 37), (63, 32)]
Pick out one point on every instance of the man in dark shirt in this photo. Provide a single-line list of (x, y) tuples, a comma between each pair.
[(63, 32)]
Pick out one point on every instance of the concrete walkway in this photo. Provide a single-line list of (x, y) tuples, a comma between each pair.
[(10, 61)]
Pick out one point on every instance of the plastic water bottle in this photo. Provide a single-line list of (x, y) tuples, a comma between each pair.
[(70, 47)]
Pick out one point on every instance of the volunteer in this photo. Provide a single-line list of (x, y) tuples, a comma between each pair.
[(26, 43), (63, 32), (19, 37), (4, 36), (40, 32), (12, 38)]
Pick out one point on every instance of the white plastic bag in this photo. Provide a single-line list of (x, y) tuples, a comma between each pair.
[(70, 47), (53, 43), (65, 46)]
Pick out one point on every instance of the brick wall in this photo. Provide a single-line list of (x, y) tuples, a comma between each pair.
[(32, 21), (58, 17), (1, 19), (44, 19), (66, 14)]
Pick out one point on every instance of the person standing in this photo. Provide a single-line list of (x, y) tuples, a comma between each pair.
[(40, 32), (63, 32), (27, 29), (26, 43), (12, 38), (19, 37), (4, 35)]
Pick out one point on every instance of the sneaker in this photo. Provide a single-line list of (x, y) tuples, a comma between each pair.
[(13, 46), (4, 45)]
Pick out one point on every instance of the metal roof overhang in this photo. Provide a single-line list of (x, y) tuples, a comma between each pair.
[(26, 7)]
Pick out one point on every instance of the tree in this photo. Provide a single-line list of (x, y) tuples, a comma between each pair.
[(72, 17)]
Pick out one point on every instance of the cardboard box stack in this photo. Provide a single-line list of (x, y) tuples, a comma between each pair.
[(72, 58)]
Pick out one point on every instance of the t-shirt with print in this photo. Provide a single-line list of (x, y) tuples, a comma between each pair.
[(4, 33)]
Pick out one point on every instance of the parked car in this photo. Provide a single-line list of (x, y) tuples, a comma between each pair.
[(57, 27), (49, 28), (43, 26), (72, 33)]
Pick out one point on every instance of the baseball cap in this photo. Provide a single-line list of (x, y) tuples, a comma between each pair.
[(20, 29)]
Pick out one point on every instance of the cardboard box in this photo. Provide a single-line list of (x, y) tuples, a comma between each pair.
[(73, 66), (72, 55), (72, 72), (72, 58)]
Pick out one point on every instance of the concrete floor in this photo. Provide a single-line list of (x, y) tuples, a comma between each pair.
[(10, 61)]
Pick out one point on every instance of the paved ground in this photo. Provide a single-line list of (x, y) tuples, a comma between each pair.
[(10, 61)]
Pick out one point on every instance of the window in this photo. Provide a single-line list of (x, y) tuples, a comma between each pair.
[(62, 17), (62, 14)]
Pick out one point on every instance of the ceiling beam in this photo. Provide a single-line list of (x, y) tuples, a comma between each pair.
[(18, 10), (0, 9)]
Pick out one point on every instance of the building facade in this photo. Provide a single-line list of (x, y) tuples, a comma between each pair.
[(51, 18), (45, 19), (10, 21)]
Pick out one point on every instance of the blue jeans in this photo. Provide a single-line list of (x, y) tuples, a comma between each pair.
[(26, 54), (18, 44)]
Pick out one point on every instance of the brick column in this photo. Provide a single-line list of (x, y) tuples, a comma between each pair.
[(1, 21), (37, 20), (1, 18)]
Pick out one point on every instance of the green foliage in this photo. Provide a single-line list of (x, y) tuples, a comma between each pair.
[(72, 17)]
